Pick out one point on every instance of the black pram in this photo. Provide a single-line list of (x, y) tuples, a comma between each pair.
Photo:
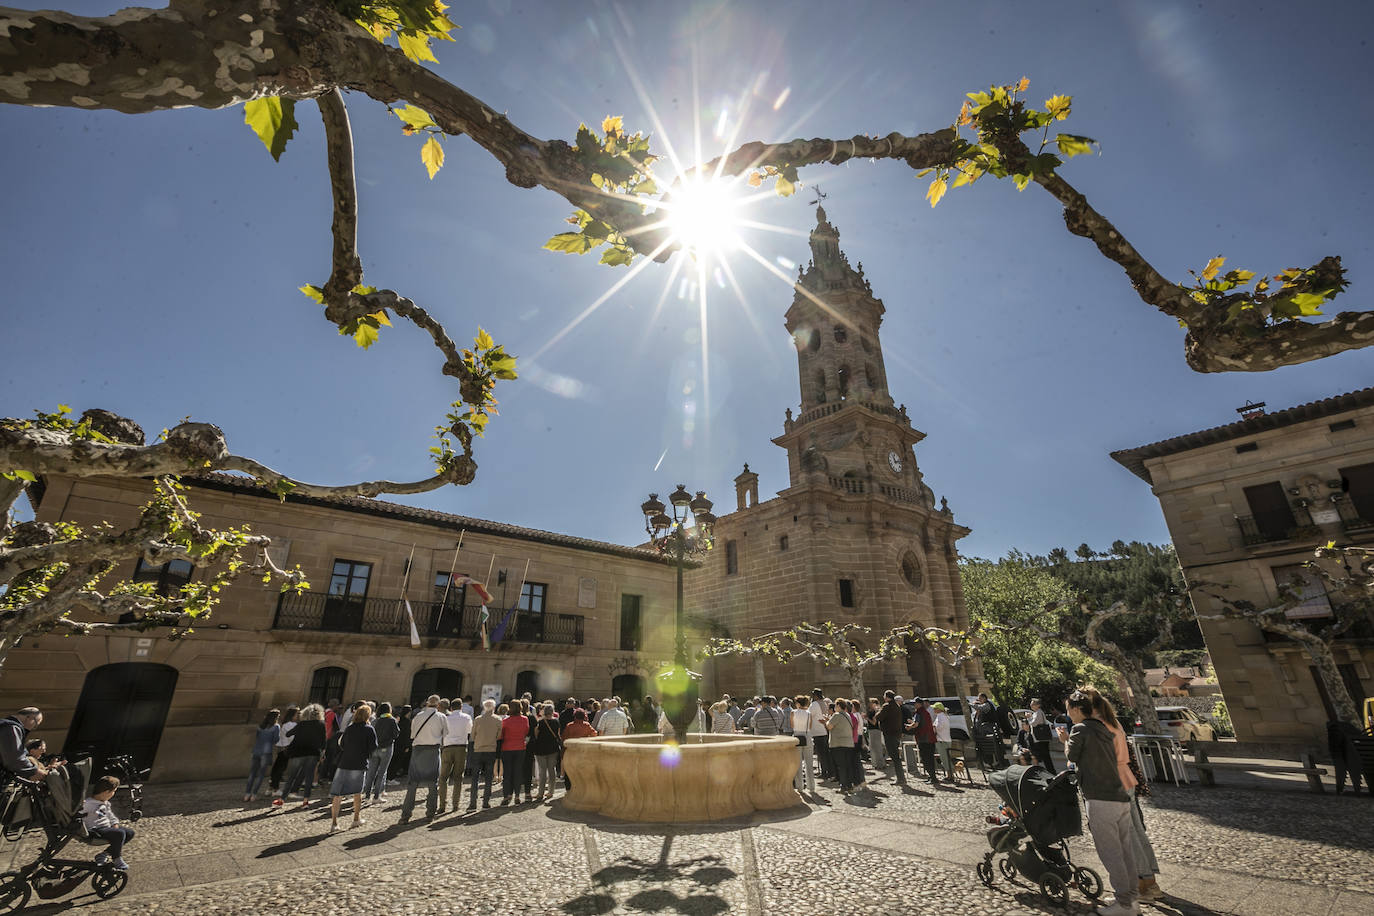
[(1034, 841), (54, 806)]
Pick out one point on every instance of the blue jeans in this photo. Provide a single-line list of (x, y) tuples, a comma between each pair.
[(512, 773), (300, 774), (374, 781), (257, 771), (115, 836), (482, 764)]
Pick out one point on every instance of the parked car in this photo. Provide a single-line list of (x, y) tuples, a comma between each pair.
[(1184, 724), (958, 727)]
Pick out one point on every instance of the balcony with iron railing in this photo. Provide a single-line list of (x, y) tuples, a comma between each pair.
[(434, 620), (1277, 527)]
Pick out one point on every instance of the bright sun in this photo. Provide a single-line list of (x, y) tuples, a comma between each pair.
[(703, 216)]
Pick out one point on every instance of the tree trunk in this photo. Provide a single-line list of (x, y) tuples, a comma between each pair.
[(856, 684), (760, 685), (1144, 703), (1319, 651)]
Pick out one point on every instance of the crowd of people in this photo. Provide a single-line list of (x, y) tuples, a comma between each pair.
[(361, 749)]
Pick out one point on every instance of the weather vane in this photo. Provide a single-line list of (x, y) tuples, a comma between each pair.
[(820, 195)]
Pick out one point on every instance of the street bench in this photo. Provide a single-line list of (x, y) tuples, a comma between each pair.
[(1207, 767)]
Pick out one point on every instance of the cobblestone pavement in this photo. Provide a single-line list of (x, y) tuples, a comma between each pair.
[(200, 850)]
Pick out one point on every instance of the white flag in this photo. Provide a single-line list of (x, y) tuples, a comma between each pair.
[(414, 633)]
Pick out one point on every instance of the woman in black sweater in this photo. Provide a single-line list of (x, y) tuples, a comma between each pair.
[(544, 747), (356, 744), (307, 742)]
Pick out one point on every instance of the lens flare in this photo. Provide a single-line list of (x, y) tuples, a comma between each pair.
[(704, 216), (670, 755)]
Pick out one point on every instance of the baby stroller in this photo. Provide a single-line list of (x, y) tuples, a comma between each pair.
[(1034, 842), (54, 806)]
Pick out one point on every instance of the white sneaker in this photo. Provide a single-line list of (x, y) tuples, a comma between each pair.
[(1117, 908), (121, 865)]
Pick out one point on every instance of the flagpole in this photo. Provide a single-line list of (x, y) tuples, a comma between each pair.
[(405, 602), (449, 584), (486, 644)]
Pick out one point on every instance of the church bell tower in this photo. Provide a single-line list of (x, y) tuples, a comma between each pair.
[(848, 433)]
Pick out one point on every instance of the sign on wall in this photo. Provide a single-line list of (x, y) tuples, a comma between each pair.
[(586, 592), (491, 692)]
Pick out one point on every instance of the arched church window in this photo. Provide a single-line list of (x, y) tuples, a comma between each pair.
[(841, 335), (842, 381), (867, 344), (820, 386), (871, 377), (813, 339), (911, 571)]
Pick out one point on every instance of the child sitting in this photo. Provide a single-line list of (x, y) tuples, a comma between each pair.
[(101, 822)]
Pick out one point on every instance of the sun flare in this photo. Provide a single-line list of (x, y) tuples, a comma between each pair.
[(704, 216)]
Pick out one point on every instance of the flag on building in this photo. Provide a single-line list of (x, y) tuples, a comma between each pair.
[(500, 632), (414, 631), (478, 587), (482, 626)]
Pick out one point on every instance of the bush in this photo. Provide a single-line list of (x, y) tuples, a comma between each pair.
[(1221, 720)]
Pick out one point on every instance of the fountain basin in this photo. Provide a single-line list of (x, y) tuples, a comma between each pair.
[(710, 777)]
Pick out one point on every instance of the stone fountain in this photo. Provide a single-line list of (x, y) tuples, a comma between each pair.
[(706, 778)]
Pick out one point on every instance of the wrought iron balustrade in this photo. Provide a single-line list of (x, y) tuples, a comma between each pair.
[(387, 617)]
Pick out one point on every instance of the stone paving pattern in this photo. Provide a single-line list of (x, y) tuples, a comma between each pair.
[(887, 850)]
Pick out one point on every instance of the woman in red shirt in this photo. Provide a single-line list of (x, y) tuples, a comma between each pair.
[(579, 727), (515, 733)]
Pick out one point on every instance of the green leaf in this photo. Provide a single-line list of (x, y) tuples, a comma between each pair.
[(1212, 267), (365, 335), (570, 242), (617, 256), (936, 191), (20, 475), (1310, 303), (432, 155), (784, 187), (415, 117), (504, 368), (1073, 145), (1058, 106), (483, 340), (416, 46), (362, 290), (1020, 180), (313, 292), (273, 119)]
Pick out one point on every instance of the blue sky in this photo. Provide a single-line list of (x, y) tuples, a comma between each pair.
[(151, 263)]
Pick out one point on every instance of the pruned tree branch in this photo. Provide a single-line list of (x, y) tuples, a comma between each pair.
[(347, 269)]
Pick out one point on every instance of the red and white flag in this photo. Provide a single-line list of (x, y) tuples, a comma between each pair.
[(478, 587)]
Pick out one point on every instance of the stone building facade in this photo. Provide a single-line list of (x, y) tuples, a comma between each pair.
[(588, 614), (855, 536), (1246, 504)]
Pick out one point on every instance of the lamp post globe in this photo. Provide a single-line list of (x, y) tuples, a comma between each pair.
[(678, 686)]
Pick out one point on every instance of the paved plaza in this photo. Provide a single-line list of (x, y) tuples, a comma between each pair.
[(1222, 850)]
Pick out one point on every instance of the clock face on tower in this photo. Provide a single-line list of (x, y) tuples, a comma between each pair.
[(894, 461)]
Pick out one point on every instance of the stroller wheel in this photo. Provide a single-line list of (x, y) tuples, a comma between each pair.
[(1088, 882), (14, 892), (984, 872), (1054, 888), (108, 882), (1007, 867)]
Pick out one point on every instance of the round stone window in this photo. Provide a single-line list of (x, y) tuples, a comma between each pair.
[(911, 570)]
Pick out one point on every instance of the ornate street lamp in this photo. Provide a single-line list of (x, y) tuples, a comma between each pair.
[(671, 535)]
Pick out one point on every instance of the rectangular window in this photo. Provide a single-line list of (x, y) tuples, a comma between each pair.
[(532, 596), (782, 542), (1311, 590), (452, 596), (327, 684), (1358, 484), (1247, 447), (167, 578), (350, 579), (1341, 425), (846, 593), (731, 558), (631, 625), (1269, 506)]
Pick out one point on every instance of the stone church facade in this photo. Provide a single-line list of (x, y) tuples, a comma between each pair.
[(855, 536)]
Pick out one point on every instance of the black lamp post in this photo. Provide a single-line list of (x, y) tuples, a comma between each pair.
[(670, 534)]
